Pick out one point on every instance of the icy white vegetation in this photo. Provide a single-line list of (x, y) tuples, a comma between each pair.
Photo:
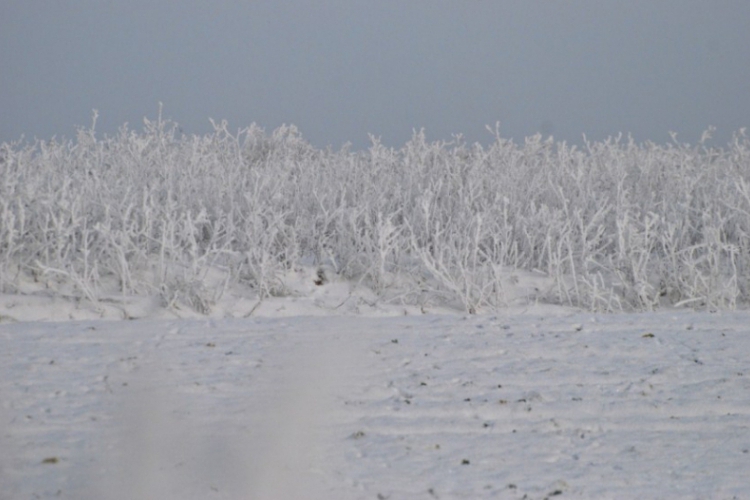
[(615, 225)]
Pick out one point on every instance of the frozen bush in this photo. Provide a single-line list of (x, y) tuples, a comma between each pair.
[(617, 225)]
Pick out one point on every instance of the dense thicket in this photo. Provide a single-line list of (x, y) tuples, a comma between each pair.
[(616, 225)]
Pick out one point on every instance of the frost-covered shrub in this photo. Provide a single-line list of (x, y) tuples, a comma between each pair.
[(617, 225)]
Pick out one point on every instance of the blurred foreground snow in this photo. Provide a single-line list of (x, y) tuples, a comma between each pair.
[(548, 402)]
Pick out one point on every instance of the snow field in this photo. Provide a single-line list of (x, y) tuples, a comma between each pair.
[(262, 366), (536, 405), (187, 221)]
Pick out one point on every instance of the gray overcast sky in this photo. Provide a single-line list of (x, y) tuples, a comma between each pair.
[(340, 69)]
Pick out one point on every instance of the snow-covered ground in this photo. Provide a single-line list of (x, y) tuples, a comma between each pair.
[(526, 403)]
